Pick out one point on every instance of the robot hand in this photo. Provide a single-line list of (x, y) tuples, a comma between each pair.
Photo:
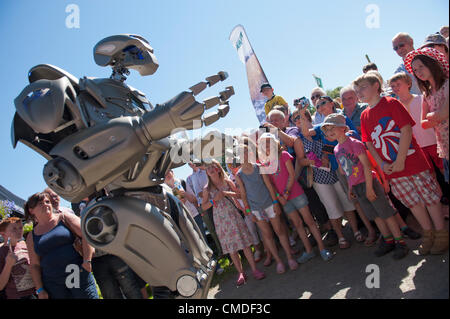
[(183, 111)]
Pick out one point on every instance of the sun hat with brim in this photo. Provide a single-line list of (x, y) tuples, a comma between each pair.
[(334, 119), (434, 38), (429, 52)]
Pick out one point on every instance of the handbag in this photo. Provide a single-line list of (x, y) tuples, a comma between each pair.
[(77, 243)]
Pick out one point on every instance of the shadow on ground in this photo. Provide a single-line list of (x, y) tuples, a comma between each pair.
[(345, 276)]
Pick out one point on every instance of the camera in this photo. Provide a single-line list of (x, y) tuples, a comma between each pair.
[(265, 128), (303, 101)]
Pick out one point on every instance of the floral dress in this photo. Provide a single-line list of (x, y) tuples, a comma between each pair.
[(231, 228), (435, 102)]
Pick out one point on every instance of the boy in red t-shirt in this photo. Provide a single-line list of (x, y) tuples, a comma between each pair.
[(386, 128)]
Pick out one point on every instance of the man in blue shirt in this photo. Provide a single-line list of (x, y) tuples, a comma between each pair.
[(352, 109)]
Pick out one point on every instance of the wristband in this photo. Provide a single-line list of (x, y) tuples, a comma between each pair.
[(248, 211), (277, 195), (38, 291), (213, 202), (275, 202)]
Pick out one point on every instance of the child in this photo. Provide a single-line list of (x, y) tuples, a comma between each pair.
[(426, 138), (326, 183), (233, 169), (386, 128), (258, 202), (351, 156), (291, 195), (230, 226), (430, 68), (15, 276), (272, 99)]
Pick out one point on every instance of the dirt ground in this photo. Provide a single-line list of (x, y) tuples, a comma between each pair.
[(344, 277)]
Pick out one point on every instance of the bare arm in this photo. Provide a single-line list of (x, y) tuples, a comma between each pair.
[(370, 194), (290, 181), (284, 138), (374, 154), (425, 122), (405, 142), (10, 261), (74, 224), (205, 202)]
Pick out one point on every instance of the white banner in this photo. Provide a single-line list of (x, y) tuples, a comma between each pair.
[(255, 74)]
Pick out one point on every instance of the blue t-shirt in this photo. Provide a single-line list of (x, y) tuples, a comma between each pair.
[(320, 135)]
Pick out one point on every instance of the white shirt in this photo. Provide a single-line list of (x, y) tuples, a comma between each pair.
[(195, 184)]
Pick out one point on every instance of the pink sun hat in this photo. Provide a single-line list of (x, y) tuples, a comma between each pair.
[(429, 52)]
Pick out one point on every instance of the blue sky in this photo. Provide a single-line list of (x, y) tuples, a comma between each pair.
[(292, 40)]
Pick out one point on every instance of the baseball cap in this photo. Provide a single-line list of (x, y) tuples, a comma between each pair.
[(265, 85)]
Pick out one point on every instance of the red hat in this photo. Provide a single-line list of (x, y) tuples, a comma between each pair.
[(429, 52)]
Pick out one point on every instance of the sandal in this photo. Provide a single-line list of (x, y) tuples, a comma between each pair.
[(359, 237), (241, 280), (343, 243), (280, 268), (371, 240)]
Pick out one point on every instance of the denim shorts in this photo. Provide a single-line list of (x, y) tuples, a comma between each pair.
[(295, 203)]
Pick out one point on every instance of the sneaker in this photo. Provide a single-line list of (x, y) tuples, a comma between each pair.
[(400, 251), (408, 232), (258, 274), (384, 248), (326, 255), (331, 239), (305, 257)]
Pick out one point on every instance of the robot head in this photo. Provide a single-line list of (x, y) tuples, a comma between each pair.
[(126, 50)]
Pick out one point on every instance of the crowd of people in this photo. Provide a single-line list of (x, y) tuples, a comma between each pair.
[(374, 155)]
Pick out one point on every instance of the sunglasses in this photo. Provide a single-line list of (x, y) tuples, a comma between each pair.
[(401, 45), (314, 97), (322, 104)]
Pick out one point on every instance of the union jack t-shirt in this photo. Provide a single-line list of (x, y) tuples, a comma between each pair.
[(381, 125)]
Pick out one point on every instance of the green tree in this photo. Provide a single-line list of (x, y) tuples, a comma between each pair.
[(334, 93)]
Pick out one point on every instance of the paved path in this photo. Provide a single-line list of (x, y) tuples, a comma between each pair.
[(345, 276)]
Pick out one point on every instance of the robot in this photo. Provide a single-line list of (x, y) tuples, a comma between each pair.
[(104, 140)]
